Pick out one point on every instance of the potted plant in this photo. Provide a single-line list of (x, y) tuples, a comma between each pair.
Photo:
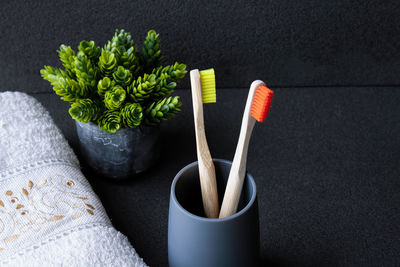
[(119, 95)]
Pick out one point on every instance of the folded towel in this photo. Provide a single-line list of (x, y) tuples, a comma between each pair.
[(49, 215)]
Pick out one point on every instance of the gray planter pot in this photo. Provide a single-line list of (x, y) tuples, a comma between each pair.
[(196, 241), (121, 155)]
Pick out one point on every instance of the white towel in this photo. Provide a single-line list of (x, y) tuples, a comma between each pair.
[(49, 215)]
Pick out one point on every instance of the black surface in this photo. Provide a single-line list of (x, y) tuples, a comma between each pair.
[(326, 164), (288, 43)]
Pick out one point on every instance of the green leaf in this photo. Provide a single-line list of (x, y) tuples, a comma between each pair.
[(129, 60), (121, 42), (89, 49), (85, 72), (67, 56), (107, 63), (110, 121), (114, 98), (167, 77), (132, 114), (174, 72), (141, 89), (69, 89), (151, 51), (84, 110), (162, 110), (104, 85), (122, 76)]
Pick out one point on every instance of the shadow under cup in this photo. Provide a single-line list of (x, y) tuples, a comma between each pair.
[(194, 240)]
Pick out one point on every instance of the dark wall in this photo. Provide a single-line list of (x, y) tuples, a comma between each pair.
[(286, 43)]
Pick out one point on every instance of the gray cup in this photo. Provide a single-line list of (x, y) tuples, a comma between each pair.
[(194, 240)]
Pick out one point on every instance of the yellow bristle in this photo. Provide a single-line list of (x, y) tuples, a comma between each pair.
[(208, 93)]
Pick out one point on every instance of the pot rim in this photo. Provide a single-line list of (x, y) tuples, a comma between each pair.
[(213, 220), (93, 125)]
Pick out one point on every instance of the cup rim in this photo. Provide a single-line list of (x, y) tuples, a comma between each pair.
[(229, 218)]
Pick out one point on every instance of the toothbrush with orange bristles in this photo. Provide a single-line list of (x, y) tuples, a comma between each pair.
[(257, 108), (203, 91)]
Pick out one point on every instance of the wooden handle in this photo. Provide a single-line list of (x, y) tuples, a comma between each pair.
[(208, 180), (238, 169)]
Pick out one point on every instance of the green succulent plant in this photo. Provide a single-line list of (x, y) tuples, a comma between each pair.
[(103, 85), (122, 76), (66, 87), (132, 115), (110, 121), (114, 97), (162, 110), (86, 73), (89, 49), (118, 85), (67, 56), (130, 60), (120, 42), (151, 53), (84, 110), (142, 88), (167, 78), (107, 63)]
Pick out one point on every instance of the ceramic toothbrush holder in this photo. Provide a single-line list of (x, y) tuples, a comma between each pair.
[(194, 240)]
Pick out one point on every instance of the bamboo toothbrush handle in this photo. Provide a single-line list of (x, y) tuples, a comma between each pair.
[(238, 170), (237, 173), (208, 180)]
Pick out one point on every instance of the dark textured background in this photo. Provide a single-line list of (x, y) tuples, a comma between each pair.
[(286, 43), (326, 162)]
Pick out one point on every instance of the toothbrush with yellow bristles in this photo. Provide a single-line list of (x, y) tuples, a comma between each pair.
[(203, 91)]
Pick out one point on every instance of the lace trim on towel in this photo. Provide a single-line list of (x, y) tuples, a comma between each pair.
[(38, 202)]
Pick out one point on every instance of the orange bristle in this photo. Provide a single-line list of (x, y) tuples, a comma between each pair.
[(261, 103)]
